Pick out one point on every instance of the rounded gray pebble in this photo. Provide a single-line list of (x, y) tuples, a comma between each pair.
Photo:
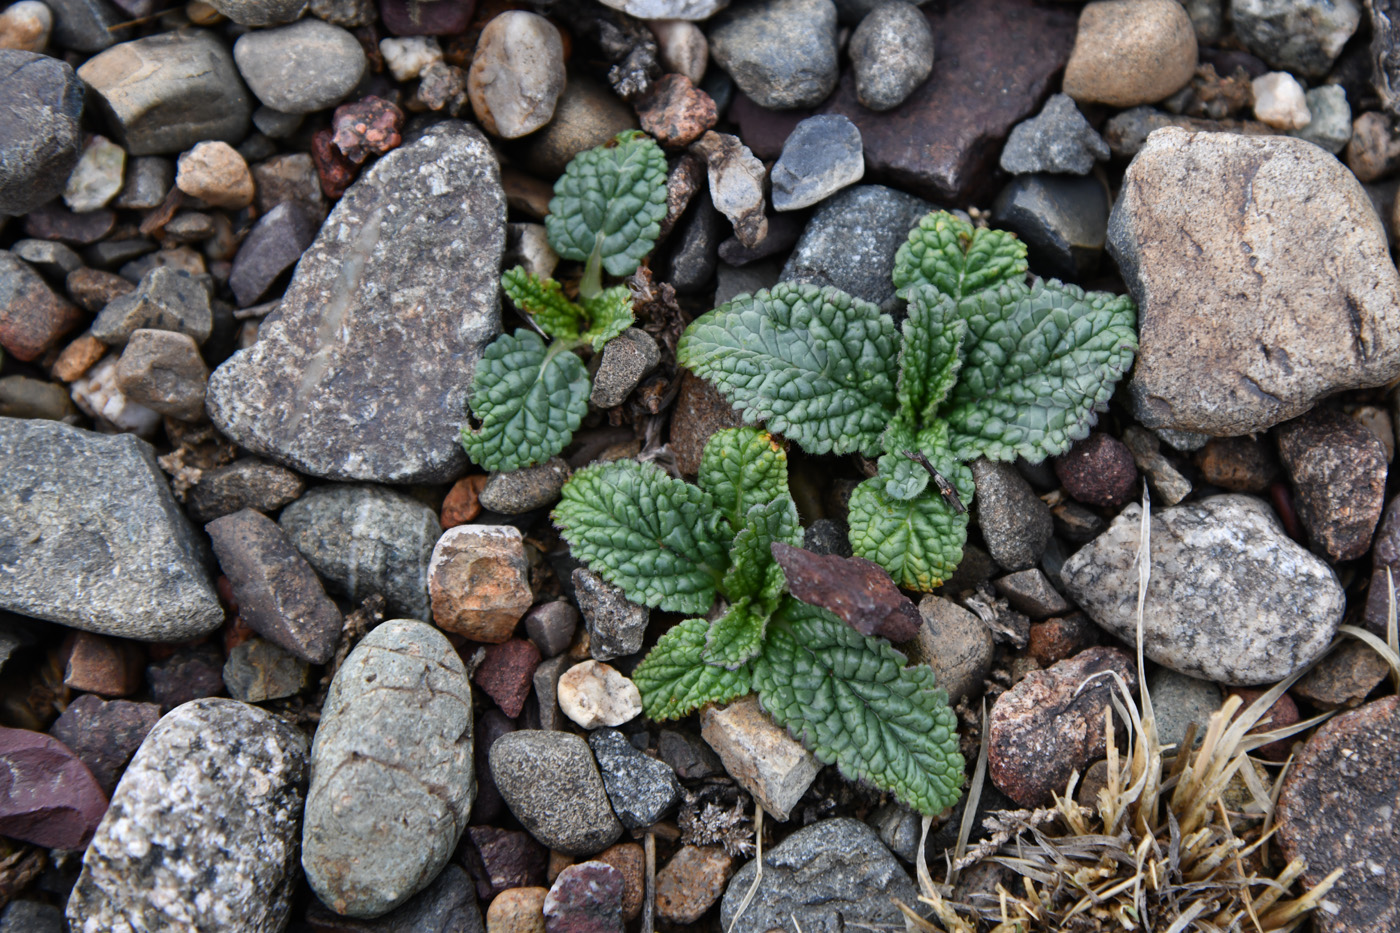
[(301, 68), (891, 54), (552, 785)]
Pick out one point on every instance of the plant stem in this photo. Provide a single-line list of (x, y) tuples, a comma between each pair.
[(592, 284)]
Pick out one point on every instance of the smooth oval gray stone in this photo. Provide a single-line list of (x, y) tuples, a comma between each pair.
[(391, 771), (202, 830), (301, 68), (552, 784)]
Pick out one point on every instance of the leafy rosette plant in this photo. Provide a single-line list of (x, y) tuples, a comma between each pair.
[(529, 396), (686, 548), (986, 366)]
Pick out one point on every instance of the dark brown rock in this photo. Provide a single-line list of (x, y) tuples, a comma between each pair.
[(585, 898), (463, 501), (53, 221), (94, 289), (507, 673), (1344, 677), (1283, 713), (107, 666), (1338, 471), (104, 734), (243, 484), (32, 317), (1056, 639), (1385, 556), (630, 859), (508, 859), (1239, 464), (335, 172), (700, 412), (1337, 810), (279, 596), (1098, 471), (272, 247), (189, 673), (857, 590), (995, 62), (1046, 727), (676, 112), (489, 804), (47, 795), (691, 883)]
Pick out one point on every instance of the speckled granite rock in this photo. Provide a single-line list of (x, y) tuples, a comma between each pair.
[(552, 785), (202, 830)]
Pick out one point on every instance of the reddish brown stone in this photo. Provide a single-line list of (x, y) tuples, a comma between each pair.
[(1338, 471), (53, 221), (463, 500), (1385, 556), (104, 734), (32, 317), (630, 859), (676, 112), (585, 898), (1240, 464), (78, 357), (426, 17), (503, 859), (507, 673), (334, 170), (110, 667), (1344, 677), (995, 63), (367, 127), (700, 412), (47, 795), (1098, 471), (691, 882), (1056, 639), (93, 289), (856, 589), (1283, 713)]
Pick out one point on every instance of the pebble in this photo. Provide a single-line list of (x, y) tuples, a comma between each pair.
[(22, 397), (521, 491), (955, 643), (165, 93), (627, 360), (1330, 127), (167, 299), (364, 540), (1056, 639), (1336, 811), (191, 672), (93, 290), (586, 115), (54, 481), (1015, 524), (551, 626), (260, 12), (1373, 152), (51, 799), (274, 245), (163, 371), (367, 127), (690, 265), (1313, 308), (629, 858), (257, 671), (857, 591), (831, 873), (32, 317), (244, 484), (1231, 598), (1178, 701), (552, 785), (518, 910), (478, 580), (821, 156), (891, 54), (594, 694), (1130, 52), (448, 905), (1098, 471), (1343, 678), (404, 334), (517, 74), (87, 25), (1239, 464), (490, 725), (97, 664), (1062, 219), (96, 394), (676, 112), (216, 790), (508, 859), (1299, 36), (547, 692), (1046, 727), (215, 173), (1338, 471), (682, 45), (406, 57), (97, 177), (148, 180), (759, 755), (585, 898), (668, 9), (104, 734), (1279, 101), (1385, 555), (391, 771), (1030, 592), (462, 502), (736, 183), (781, 53), (25, 26), (507, 672), (50, 258), (690, 883), (1168, 485), (307, 66), (642, 789), (688, 755), (1058, 140), (615, 625)]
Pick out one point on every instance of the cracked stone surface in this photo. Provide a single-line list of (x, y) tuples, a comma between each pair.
[(391, 771)]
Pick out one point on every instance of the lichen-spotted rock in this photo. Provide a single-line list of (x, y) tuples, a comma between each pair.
[(202, 830), (391, 771), (363, 372)]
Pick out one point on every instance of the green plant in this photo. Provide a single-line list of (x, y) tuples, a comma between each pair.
[(529, 396), (987, 366), (681, 547)]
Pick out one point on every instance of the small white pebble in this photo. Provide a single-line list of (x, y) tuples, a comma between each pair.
[(407, 57), (594, 694), (1280, 102)]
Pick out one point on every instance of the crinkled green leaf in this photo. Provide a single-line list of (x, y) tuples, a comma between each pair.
[(816, 364), (613, 197), (741, 468), (543, 300), (609, 314), (529, 401), (918, 541), (853, 702), (752, 567), (931, 353), (658, 538), (1039, 362), (674, 680), (957, 258), (736, 637), (904, 478)]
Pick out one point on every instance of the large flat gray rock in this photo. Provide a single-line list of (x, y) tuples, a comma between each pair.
[(91, 537)]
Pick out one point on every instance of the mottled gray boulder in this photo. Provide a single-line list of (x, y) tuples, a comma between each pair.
[(821, 879), (202, 830), (365, 539), (1300, 36), (1231, 599), (91, 537), (1262, 278), (41, 102), (391, 771), (552, 785), (363, 373), (781, 53)]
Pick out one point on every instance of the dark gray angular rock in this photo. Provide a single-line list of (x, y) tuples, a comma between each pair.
[(615, 624), (91, 537), (164, 93), (85, 25), (1031, 592), (366, 539), (781, 53), (694, 254), (822, 877), (546, 684), (1015, 524), (215, 791), (363, 375), (551, 626), (307, 66), (821, 156), (277, 592), (1231, 598), (272, 247), (243, 484), (1062, 219), (520, 491), (851, 240), (891, 54), (41, 102), (641, 788), (1057, 140), (627, 359), (49, 257), (1300, 36), (552, 785), (148, 180), (827, 536), (391, 771), (166, 299)]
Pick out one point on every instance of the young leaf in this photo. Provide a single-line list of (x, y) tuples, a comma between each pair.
[(753, 571), (674, 680), (543, 300), (852, 702), (816, 364), (741, 468), (609, 314), (1040, 361), (529, 400), (918, 541), (931, 354), (957, 258), (612, 198), (656, 537), (736, 637), (904, 478)]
